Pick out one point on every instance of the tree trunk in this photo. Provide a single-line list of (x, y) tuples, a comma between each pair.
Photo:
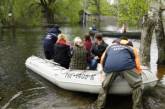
[(150, 21), (160, 38), (146, 36), (48, 13), (49, 16), (154, 21)]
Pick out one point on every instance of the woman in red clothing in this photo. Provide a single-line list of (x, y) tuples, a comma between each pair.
[(62, 52), (88, 46)]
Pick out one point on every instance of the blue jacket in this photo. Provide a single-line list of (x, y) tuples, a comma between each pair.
[(49, 42), (118, 58), (51, 38)]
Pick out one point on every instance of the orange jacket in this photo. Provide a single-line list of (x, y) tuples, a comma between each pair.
[(137, 61)]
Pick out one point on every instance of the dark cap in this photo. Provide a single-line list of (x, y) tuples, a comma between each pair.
[(124, 38), (56, 26), (99, 36), (116, 41)]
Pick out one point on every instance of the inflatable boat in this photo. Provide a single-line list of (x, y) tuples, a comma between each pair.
[(130, 35), (83, 80)]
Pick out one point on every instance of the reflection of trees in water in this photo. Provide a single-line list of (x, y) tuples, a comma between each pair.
[(11, 33), (154, 98), (1, 34)]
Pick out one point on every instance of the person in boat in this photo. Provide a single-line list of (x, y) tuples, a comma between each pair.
[(88, 46), (92, 31), (97, 50), (123, 38), (49, 41), (121, 60), (62, 52), (78, 60), (123, 29)]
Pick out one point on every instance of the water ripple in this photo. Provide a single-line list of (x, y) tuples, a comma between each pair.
[(18, 94)]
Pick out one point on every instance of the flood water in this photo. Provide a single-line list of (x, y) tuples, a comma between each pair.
[(22, 89)]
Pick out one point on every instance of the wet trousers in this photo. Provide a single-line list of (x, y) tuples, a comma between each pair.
[(133, 79)]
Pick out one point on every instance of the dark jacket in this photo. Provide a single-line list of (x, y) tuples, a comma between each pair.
[(49, 42), (118, 58), (78, 60), (98, 50), (51, 38), (62, 54)]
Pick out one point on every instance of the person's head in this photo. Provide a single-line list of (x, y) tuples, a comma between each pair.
[(78, 41), (62, 38), (94, 27), (116, 41), (123, 38), (98, 38), (87, 37), (54, 29), (56, 26), (130, 43)]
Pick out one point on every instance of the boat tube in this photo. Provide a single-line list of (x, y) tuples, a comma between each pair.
[(83, 80)]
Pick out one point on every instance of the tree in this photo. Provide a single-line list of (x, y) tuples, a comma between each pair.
[(46, 7), (47, 10), (4, 10), (154, 21), (160, 35), (26, 14), (146, 36), (68, 10), (131, 11)]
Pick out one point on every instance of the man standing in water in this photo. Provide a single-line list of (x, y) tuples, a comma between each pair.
[(121, 60), (49, 41)]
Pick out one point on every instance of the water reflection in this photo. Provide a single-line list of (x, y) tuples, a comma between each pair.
[(25, 90), (155, 98)]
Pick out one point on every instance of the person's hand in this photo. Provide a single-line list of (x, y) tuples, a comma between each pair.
[(99, 67), (96, 57)]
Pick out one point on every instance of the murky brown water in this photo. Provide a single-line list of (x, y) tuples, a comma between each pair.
[(21, 89)]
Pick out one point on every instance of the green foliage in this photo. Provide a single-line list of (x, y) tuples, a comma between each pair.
[(4, 10), (107, 9), (68, 10), (25, 13), (104, 6), (132, 11), (31, 12)]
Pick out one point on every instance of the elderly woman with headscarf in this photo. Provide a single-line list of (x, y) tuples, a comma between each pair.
[(62, 52), (79, 56)]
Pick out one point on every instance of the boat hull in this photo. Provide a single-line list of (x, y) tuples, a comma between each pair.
[(82, 80)]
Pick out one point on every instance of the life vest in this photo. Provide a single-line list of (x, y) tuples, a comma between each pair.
[(118, 58), (137, 59)]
